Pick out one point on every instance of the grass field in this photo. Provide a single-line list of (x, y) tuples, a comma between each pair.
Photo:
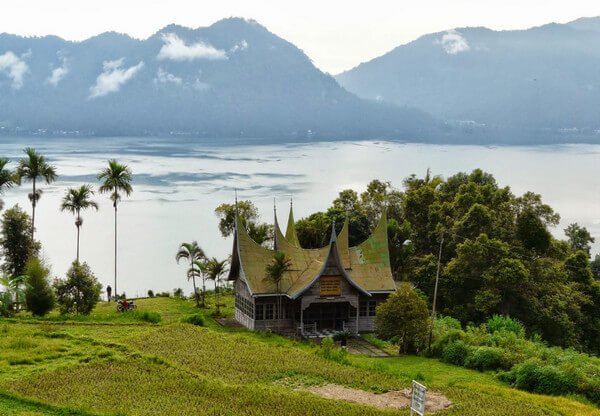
[(120, 364)]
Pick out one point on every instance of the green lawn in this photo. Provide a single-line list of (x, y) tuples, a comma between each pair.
[(118, 364)]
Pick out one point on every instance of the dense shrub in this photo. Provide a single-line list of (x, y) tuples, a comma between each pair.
[(39, 296), (456, 353), (505, 323), (150, 293), (80, 291), (442, 341), (152, 317), (542, 378), (404, 317), (485, 358), (195, 319), (163, 295)]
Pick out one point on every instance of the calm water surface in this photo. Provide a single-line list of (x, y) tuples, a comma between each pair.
[(178, 183)]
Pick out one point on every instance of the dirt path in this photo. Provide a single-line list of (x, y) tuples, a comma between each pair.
[(390, 400)]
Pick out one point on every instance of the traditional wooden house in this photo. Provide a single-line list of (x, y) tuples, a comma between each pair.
[(330, 289)]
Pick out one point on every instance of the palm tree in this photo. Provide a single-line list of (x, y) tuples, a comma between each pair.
[(192, 252), (13, 290), (32, 168), (74, 201), (201, 269), (216, 269), (275, 271), (116, 179), (7, 178)]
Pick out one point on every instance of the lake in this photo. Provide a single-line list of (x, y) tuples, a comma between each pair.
[(179, 182)]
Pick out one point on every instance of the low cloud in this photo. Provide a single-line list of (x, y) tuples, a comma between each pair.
[(164, 77), (242, 46), (175, 49), (14, 67), (454, 43), (113, 77), (59, 73)]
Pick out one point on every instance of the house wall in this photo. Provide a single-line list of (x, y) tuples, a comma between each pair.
[(367, 323), (241, 290), (287, 306)]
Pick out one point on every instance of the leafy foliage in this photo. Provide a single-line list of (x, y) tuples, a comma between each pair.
[(249, 218), (403, 317), (79, 292), (39, 296)]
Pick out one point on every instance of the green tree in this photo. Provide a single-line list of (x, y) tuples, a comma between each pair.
[(7, 178), (579, 238), (215, 270), (32, 168), (39, 296), (275, 271), (249, 218), (403, 317), (532, 232), (14, 289), (192, 252), (17, 244), (76, 200), (79, 292), (200, 268), (596, 267), (115, 180)]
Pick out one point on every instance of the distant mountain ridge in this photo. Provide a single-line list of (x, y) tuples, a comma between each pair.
[(231, 79), (541, 84)]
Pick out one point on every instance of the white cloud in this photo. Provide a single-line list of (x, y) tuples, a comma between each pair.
[(453, 42), (14, 67), (200, 85), (113, 76), (176, 50), (242, 46), (58, 73), (165, 77)]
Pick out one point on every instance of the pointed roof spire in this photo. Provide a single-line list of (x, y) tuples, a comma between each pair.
[(290, 232), (333, 238)]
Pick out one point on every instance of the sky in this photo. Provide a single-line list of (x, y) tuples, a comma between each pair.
[(336, 35)]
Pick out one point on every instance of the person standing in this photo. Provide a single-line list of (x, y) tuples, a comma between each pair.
[(108, 292)]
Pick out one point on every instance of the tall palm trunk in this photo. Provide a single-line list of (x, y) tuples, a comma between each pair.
[(203, 291), (194, 282), (33, 202), (78, 225), (116, 291)]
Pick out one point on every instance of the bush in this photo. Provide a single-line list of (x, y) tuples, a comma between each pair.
[(39, 296), (195, 319), (485, 358), (80, 291), (163, 295), (178, 293), (449, 337), (505, 323), (403, 316), (329, 351), (152, 317), (541, 378), (455, 353), (150, 294)]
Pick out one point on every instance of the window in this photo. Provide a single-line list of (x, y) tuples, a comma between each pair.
[(244, 305), (367, 308), (265, 311), (269, 311)]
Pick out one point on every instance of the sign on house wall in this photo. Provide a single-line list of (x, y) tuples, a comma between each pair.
[(417, 402), (330, 286)]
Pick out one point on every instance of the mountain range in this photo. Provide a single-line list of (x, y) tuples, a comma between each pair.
[(235, 79), (540, 84), (232, 79)]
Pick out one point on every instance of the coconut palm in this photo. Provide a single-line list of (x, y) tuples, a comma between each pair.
[(216, 269), (32, 168), (201, 269), (191, 252), (7, 178), (275, 271), (75, 200), (116, 180), (14, 288)]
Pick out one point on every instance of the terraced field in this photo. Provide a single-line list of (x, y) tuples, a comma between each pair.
[(111, 364)]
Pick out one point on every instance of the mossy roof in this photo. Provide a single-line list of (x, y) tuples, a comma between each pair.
[(367, 265)]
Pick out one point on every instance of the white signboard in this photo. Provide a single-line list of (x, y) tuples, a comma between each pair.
[(417, 402)]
